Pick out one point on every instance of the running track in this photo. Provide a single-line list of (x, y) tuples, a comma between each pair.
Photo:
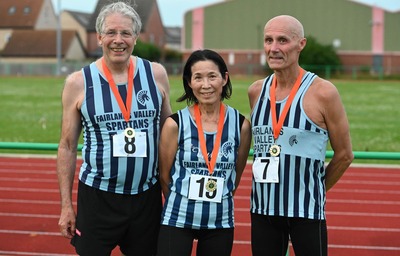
[(363, 211)]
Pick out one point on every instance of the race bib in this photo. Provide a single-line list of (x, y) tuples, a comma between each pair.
[(265, 169), (206, 188), (126, 146)]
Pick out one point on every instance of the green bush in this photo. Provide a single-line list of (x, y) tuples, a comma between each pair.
[(317, 55), (147, 51), (173, 56)]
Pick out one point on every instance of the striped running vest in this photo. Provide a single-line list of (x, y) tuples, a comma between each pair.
[(179, 211), (102, 119), (301, 188)]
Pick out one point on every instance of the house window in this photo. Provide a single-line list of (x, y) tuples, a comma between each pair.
[(27, 10), (12, 10), (7, 37)]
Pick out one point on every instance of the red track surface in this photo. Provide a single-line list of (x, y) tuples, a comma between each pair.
[(363, 211)]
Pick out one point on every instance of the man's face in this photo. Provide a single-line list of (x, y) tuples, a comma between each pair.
[(117, 38), (282, 46)]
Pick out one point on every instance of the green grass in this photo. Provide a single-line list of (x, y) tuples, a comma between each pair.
[(30, 109)]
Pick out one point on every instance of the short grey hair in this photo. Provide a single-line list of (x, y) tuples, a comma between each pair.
[(122, 8)]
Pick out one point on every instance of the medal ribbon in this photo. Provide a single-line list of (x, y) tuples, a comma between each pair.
[(217, 144), (277, 125), (125, 109)]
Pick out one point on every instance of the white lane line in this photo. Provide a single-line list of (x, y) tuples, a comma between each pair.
[(364, 247), (29, 232), (26, 179), (22, 201), (36, 171), (341, 201), (392, 174), (375, 202), (34, 190), (337, 213), (29, 215), (33, 253), (24, 164), (343, 246), (368, 229), (363, 214), (363, 191), (369, 182), (31, 190)]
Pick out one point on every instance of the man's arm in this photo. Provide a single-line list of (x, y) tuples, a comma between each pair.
[(161, 77), (67, 150), (167, 151), (243, 151), (253, 92), (339, 135)]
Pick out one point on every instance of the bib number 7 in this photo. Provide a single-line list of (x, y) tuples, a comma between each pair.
[(266, 169)]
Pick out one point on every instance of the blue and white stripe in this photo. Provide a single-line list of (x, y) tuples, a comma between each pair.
[(179, 211), (301, 188), (100, 169)]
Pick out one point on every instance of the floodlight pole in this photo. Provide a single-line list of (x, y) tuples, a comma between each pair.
[(58, 71)]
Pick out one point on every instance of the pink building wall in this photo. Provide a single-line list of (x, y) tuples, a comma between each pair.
[(378, 25), (198, 29)]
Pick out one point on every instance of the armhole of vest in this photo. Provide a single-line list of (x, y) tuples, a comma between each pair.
[(86, 75), (175, 117), (241, 121)]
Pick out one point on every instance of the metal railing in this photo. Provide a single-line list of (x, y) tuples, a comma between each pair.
[(54, 146)]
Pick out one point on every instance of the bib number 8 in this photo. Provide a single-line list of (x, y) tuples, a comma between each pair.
[(130, 147)]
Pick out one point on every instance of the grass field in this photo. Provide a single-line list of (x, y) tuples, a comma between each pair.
[(31, 109)]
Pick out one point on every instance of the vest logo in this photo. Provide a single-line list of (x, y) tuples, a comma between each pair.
[(142, 97), (293, 140), (227, 149)]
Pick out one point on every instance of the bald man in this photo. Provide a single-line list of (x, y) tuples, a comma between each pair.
[(294, 115)]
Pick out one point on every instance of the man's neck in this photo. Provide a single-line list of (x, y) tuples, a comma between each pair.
[(286, 78)]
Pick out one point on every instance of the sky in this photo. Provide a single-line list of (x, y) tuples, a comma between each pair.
[(389, 5), (171, 11)]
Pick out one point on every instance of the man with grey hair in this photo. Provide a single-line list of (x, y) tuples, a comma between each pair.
[(120, 102), (294, 114)]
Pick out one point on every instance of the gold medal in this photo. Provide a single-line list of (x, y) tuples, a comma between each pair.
[(129, 133), (211, 185), (274, 150)]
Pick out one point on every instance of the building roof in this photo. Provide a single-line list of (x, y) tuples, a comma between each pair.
[(142, 7), (41, 43), (173, 35), (19, 14), (82, 18)]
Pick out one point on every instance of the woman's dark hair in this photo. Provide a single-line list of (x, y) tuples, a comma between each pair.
[(203, 55)]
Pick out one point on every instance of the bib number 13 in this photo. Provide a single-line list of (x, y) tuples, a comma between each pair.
[(206, 188)]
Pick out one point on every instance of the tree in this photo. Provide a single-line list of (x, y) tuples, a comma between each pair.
[(315, 55), (147, 51)]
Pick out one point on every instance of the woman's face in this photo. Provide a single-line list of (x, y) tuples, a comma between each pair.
[(207, 82)]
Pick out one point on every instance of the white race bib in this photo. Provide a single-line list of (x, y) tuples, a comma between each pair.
[(206, 188), (129, 147), (265, 169)]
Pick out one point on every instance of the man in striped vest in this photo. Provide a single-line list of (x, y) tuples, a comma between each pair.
[(120, 102), (294, 114)]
